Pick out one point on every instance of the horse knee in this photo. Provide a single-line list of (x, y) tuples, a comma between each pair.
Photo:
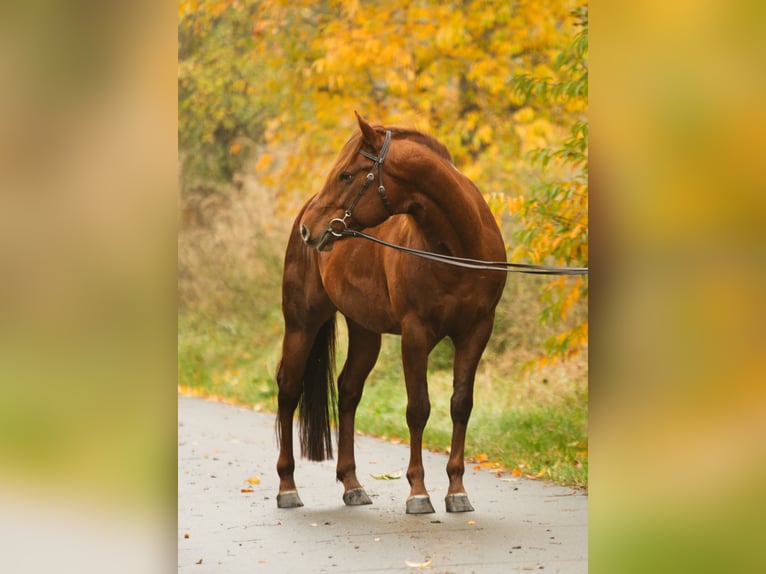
[(461, 406), (418, 413)]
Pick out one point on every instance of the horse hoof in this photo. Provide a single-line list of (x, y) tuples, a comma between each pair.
[(356, 497), (458, 503), (289, 499), (419, 504)]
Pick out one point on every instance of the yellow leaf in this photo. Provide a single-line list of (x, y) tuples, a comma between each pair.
[(411, 564), (254, 480), (263, 162)]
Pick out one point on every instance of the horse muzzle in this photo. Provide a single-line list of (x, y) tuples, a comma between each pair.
[(324, 243)]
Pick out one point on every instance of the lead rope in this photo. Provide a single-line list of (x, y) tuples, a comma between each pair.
[(504, 266)]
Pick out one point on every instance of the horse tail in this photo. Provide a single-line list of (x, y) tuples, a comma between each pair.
[(317, 410)]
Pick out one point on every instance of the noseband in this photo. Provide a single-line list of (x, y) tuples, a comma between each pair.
[(376, 166)]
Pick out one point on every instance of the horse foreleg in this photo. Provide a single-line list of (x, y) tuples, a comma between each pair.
[(468, 351), (415, 349), (363, 350)]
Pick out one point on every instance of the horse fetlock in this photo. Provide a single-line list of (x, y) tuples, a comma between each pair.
[(416, 477), (346, 474), (286, 471)]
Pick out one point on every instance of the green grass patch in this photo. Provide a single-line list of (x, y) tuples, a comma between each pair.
[(227, 359)]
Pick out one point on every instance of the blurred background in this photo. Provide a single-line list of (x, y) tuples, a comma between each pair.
[(141, 202), (267, 92)]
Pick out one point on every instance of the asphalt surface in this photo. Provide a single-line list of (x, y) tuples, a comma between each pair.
[(519, 525)]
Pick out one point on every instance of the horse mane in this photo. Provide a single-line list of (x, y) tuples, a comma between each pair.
[(404, 133), (424, 139)]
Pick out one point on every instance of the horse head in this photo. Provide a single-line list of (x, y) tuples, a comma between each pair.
[(354, 195)]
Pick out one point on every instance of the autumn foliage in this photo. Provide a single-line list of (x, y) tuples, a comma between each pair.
[(502, 84)]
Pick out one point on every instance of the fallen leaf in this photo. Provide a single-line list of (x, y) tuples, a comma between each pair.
[(425, 564), (199, 561), (186, 535), (516, 472), (254, 480), (246, 490), (471, 522), (388, 475)]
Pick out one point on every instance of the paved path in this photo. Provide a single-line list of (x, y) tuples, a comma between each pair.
[(519, 525)]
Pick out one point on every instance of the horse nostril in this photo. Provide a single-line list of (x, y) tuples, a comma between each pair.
[(305, 233)]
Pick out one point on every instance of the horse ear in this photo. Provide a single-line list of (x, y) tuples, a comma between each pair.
[(369, 134)]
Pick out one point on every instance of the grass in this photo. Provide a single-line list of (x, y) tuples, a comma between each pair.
[(525, 422)]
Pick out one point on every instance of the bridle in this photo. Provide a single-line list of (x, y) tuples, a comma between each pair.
[(377, 166)]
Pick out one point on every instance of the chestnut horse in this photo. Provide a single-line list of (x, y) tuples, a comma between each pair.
[(422, 202)]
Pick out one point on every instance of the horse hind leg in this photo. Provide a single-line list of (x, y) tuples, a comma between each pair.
[(363, 350), (299, 346), (288, 397)]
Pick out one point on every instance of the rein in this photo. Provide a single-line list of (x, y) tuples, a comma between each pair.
[(448, 259), (504, 266)]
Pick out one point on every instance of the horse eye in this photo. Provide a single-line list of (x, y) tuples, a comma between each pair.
[(346, 176)]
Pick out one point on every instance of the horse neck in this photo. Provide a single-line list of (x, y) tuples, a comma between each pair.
[(452, 213)]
